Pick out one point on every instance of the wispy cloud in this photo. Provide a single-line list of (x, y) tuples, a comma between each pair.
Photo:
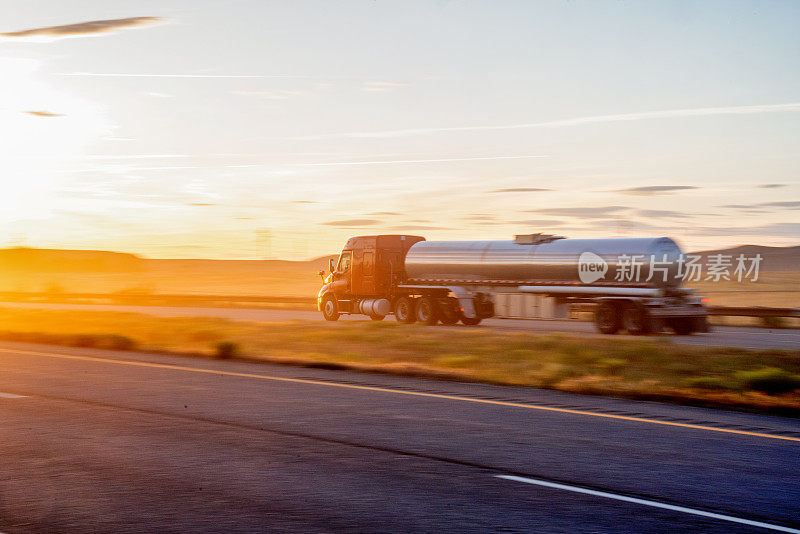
[(650, 190), (786, 204), (416, 228), (578, 121), (44, 114), (771, 186), (662, 214), (270, 95), (176, 75), (595, 212), (352, 222), (381, 86), (790, 204), (385, 213), (791, 230), (544, 223), (135, 156), (394, 161), (520, 190), (92, 27)]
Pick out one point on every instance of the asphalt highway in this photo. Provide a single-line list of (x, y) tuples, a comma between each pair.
[(99, 441), (751, 338)]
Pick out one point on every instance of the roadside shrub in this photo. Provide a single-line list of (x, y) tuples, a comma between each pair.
[(205, 335), (642, 351), (114, 342), (226, 349), (612, 366), (83, 340), (770, 380), (707, 382), (773, 322), (577, 354), (451, 360)]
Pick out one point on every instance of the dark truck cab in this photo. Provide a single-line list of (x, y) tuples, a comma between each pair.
[(365, 277)]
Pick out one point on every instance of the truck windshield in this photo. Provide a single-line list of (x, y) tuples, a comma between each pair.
[(344, 262)]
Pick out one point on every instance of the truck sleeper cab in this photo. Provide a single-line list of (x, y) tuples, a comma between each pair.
[(369, 279)]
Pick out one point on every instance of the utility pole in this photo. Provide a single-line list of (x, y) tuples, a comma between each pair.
[(265, 238)]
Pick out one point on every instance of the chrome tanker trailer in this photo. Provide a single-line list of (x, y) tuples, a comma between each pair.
[(633, 283)]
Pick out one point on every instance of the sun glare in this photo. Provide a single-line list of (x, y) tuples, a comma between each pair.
[(44, 129)]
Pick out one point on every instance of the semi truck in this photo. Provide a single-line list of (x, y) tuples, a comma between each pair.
[(632, 284)]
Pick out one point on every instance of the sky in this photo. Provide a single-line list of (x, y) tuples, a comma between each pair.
[(258, 129)]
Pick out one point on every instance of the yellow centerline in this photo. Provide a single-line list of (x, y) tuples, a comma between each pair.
[(397, 392)]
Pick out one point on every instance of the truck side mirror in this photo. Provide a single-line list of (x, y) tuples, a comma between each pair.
[(332, 264), (322, 274)]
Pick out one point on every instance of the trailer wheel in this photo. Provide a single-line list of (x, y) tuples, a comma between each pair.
[(427, 311), (635, 319), (330, 309), (682, 326), (607, 318), (448, 312), (470, 321), (404, 310), (701, 324)]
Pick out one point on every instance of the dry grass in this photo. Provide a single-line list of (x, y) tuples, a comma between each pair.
[(773, 289), (637, 368), (175, 277)]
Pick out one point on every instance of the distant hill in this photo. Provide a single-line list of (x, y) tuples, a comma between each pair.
[(97, 271), (94, 261), (57, 260), (774, 259)]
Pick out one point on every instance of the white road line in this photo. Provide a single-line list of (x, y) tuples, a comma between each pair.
[(11, 396), (645, 502)]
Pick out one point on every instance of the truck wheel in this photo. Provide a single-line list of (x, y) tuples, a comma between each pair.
[(427, 311), (448, 312), (404, 310), (470, 321), (701, 324), (635, 319), (682, 326), (377, 317), (330, 310), (607, 318)]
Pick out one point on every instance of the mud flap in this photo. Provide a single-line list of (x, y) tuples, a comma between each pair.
[(465, 301)]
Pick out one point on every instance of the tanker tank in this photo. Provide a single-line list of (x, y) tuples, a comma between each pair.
[(550, 262)]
